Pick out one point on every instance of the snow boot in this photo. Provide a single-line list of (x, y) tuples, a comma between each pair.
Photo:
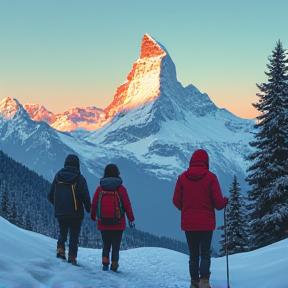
[(114, 266), (61, 253), (73, 260), (194, 284), (74, 263), (204, 283), (105, 267), (105, 263)]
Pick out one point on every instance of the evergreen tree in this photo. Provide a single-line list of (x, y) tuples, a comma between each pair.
[(236, 223), (15, 217), (28, 224), (268, 173), (5, 204)]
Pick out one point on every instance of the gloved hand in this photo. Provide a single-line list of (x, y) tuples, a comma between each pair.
[(131, 224)]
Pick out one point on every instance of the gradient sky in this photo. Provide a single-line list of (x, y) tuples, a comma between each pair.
[(67, 53)]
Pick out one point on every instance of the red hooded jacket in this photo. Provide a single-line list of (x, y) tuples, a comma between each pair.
[(197, 193)]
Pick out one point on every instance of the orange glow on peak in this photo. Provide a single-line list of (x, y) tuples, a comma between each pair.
[(143, 81)]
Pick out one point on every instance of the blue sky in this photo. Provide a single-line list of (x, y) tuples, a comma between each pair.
[(69, 53)]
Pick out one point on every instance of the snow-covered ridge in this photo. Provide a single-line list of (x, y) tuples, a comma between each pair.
[(88, 118), (39, 113), (24, 264), (8, 108)]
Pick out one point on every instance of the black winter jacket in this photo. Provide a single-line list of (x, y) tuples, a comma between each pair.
[(69, 192)]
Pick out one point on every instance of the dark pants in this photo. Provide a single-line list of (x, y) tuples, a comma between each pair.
[(199, 243), (73, 225), (111, 238)]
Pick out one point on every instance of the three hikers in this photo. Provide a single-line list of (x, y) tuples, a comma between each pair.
[(197, 194)]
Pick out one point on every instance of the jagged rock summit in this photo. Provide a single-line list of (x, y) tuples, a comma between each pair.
[(142, 84), (151, 48), (8, 108), (39, 113)]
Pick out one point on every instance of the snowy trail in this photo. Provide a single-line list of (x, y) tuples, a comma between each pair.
[(143, 267), (28, 260)]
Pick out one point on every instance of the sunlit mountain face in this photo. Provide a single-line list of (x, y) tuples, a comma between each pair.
[(39, 113), (8, 108), (143, 82), (88, 118)]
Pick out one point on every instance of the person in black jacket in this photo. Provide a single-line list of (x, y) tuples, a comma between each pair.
[(69, 193)]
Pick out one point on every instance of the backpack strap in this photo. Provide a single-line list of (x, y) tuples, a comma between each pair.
[(74, 197), (73, 192), (120, 204), (98, 205)]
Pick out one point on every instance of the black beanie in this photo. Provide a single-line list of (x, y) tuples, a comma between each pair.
[(72, 160), (111, 170)]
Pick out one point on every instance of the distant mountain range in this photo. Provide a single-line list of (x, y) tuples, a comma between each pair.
[(88, 118), (150, 130)]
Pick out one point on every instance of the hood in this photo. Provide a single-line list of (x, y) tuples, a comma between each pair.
[(72, 160), (199, 156), (68, 174), (110, 183), (199, 165)]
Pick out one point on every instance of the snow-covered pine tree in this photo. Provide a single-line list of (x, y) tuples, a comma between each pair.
[(268, 173), (236, 228), (28, 224), (6, 204), (15, 219)]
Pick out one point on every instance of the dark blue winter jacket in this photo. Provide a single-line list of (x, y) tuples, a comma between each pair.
[(69, 193)]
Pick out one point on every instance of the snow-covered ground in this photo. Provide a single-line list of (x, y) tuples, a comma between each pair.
[(28, 260)]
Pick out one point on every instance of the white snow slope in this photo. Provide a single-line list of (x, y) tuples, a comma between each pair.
[(27, 260)]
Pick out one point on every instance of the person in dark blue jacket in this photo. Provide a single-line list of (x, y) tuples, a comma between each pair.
[(69, 193)]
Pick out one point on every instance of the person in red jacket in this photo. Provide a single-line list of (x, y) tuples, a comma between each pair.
[(197, 193), (112, 233)]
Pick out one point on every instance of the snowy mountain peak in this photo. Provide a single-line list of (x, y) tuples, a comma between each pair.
[(143, 81), (153, 88), (9, 107), (39, 113), (151, 48)]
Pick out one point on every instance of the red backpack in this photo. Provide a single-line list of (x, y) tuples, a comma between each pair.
[(109, 207)]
